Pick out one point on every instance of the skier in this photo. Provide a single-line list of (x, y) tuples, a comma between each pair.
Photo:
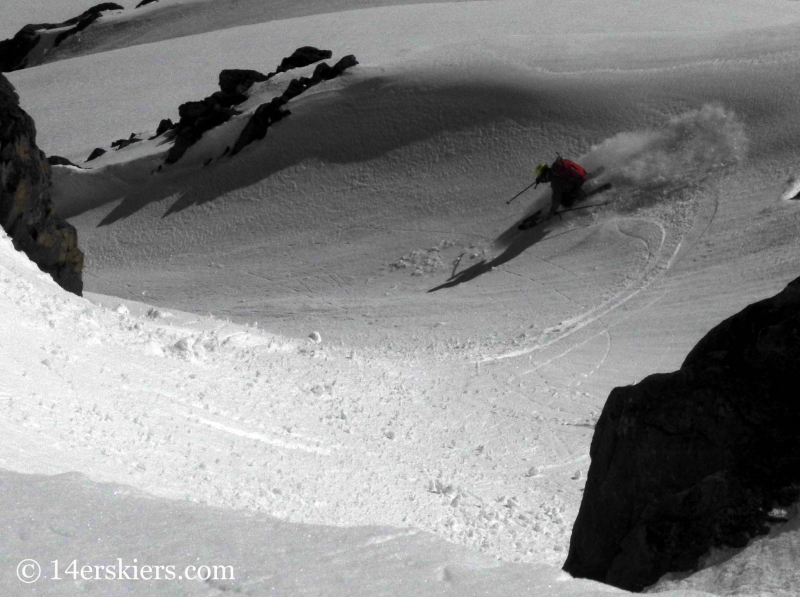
[(566, 179)]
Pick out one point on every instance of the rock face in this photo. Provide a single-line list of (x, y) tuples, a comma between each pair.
[(303, 57), (695, 459), (234, 81), (271, 112), (122, 143), (26, 210), (96, 153), (14, 52), (165, 125), (196, 118), (199, 117), (264, 117), (57, 160)]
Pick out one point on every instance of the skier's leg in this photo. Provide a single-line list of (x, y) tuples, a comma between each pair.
[(573, 196), (557, 199)]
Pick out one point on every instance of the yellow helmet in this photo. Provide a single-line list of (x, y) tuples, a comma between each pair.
[(541, 169)]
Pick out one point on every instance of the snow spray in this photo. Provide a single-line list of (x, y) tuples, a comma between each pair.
[(687, 148)]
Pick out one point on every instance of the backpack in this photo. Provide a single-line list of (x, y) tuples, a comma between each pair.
[(568, 169)]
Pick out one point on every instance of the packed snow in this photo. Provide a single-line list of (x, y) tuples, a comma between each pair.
[(258, 350)]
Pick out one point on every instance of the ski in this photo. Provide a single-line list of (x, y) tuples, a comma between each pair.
[(601, 189), (536, 218)]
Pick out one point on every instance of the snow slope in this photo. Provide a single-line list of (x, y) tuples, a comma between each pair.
[(466, 412), (122, 536), (143, 397)]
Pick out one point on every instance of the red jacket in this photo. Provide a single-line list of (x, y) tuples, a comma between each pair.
[(569, 171)]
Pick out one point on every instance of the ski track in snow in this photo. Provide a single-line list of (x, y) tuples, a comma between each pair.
[(660, 260), (657, 266), (260, 437)]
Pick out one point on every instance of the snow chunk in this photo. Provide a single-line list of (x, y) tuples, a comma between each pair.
[(792, 189)]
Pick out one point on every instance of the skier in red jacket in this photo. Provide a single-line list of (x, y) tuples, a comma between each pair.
[(566, 179)]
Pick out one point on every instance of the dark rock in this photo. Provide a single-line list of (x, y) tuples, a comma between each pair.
[(696, 459), (237, 82), (196, 119), (165, 125), (120, 143), (189, 112), (264, 117), (227, 100), (303, 57), (14, 52), (268, 114), (57, 160), (96, 153), (323, 72), (297, 86), (145, 3), (344, 63), (26, 209), (92, 13)]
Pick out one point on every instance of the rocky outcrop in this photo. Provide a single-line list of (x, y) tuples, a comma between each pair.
[(57, 160), (93, 12), (15, 52), (165, 125), (236, 82), (695, 459), (303, 57), (264, 117), (26, 209), (199, 117), (271, 112), (145, 3), (96, 153), (121, 143), (196, 118)]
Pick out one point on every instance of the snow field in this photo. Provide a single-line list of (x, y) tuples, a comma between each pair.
[(583, 297), (467, 412), (233, 417)]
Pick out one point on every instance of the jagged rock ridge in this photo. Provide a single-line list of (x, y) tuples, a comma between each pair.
[(57, 160), (696, 459), (26, 209), (199, 117), (273, 111), (196, 118), (15, 52)]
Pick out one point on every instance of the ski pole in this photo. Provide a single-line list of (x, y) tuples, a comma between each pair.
[(533, 184)]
